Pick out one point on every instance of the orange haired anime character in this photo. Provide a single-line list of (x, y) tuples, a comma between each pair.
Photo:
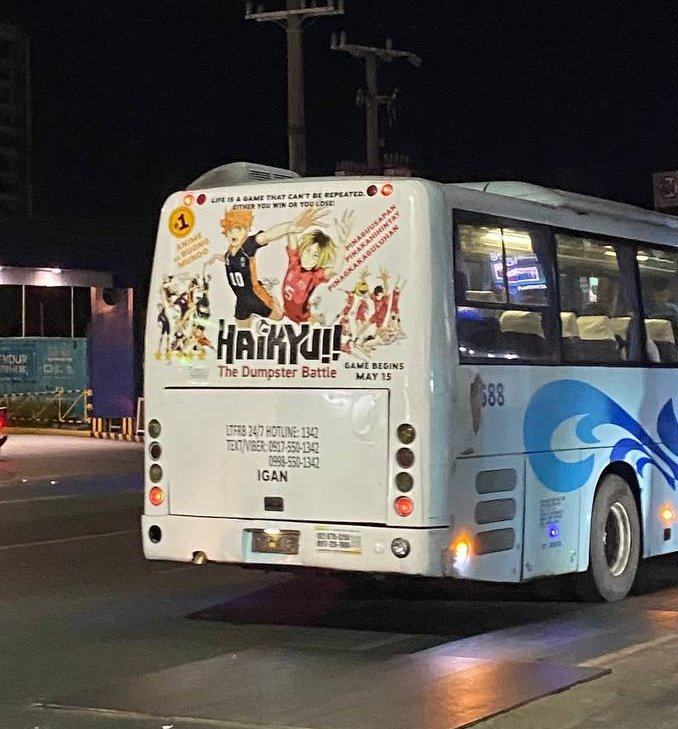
[(241, 271)]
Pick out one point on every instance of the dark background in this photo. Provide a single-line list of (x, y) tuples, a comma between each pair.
[(132, 100)]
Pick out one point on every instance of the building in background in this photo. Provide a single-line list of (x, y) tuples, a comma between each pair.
[(665, 188), (15, 124)]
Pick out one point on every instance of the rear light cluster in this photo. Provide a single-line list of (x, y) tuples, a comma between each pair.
[(155, 495), (404, 481), (3, 418)]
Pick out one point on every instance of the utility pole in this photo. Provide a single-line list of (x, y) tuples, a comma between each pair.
[(292, 19), (372, 99)]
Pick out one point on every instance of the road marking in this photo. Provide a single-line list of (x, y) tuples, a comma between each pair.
[(39, 498), (629, 651), (379, 642), (125, 714), (63, 540)]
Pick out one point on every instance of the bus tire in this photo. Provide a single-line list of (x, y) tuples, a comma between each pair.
[(614, 550)]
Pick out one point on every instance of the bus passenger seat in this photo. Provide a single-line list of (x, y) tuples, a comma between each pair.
[(478, 330), (660, 332), (483, 296), (620, 327), (598, 343), (523, 333), (571, 341)]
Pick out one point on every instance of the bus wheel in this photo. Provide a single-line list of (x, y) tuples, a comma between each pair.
[(614, 551)]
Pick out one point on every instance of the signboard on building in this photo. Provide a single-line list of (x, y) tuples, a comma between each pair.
[(42, 364), (665, 185)]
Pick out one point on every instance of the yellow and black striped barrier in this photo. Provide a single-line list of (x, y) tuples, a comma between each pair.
[(115, 429)]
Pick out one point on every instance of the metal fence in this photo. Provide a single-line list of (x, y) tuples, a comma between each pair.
[(53, 408)]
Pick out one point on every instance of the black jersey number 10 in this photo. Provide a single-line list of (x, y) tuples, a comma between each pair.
[(236, 279)]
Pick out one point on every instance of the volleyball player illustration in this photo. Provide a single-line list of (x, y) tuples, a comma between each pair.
[(313, 258), (241, 271), (164, 324)]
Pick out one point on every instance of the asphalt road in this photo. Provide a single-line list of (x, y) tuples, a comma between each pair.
[(92, 635)]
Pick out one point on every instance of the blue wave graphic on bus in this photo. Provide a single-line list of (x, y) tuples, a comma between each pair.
[(562, 400)]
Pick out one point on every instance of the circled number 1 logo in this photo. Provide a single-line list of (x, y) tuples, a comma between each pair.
[(181, 222)]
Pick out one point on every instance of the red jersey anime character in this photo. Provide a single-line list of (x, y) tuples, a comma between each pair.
[(312, 260), (251, 297)]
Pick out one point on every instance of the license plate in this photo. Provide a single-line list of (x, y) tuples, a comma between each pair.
[(282, 542)]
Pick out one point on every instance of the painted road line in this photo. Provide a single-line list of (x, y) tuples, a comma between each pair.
[(40, 498), (64, 540), (629, 651)]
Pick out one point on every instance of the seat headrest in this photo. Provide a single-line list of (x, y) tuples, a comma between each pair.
[(521, 322), (620, 325), (659, 330), (568, 320), (597, 328), (477, 295)]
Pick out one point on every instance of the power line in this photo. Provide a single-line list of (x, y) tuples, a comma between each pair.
[(292, 19), (371, 98)]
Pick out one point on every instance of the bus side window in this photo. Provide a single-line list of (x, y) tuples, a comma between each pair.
[(501, 294), (659, 292), (597, 310)]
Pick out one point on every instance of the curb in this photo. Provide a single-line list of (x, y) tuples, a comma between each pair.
[(116, 436), (74, 433)]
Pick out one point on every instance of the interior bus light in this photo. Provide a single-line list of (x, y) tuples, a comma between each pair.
[(667, 514), (403, 505), (156, 496), (518, 241)]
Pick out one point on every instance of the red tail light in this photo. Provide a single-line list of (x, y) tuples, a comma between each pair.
[(156, 496), (404, 505), (3, 419)]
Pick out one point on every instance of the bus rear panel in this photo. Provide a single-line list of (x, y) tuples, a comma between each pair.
[(288, 378)]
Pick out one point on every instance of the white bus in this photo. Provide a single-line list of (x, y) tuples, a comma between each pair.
[(391, 375)]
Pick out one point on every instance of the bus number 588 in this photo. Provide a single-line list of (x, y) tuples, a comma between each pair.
[(493, 394)]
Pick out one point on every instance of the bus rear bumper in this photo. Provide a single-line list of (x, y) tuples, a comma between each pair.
[(320, 545)]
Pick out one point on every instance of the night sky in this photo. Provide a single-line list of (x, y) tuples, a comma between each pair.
[(132, 100)]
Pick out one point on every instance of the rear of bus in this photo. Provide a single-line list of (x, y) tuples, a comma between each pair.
[(289, 395)]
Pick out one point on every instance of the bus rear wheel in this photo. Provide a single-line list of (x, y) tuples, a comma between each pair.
[(614, 550)]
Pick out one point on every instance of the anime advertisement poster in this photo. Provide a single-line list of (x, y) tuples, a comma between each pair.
[(284, 284)]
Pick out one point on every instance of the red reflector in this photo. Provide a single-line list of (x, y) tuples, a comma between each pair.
[(201, 198), (404, 505), (156, 496)]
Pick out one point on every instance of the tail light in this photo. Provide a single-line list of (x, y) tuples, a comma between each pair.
[(156, 496), (403, 505)]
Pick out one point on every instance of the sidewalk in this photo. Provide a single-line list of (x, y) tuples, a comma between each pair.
[(640, 691)]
